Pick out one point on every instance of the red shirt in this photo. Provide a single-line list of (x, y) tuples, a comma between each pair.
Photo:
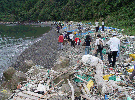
[(77, 39), (61, 38)]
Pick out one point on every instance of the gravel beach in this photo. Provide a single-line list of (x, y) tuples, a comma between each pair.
[(41, 53)]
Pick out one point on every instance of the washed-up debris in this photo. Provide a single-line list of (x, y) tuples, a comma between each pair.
[(77, 76)]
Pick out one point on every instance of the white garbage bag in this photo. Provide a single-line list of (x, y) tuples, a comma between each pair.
[(90, 60)]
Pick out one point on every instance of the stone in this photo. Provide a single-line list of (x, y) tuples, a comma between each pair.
[(25, 65), (17, 77), (9, 73)]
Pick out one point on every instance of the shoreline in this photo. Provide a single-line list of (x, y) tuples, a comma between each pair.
[(37, 50), (19, 61)]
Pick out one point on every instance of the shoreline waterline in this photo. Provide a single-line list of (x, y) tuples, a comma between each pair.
[(20, 48)]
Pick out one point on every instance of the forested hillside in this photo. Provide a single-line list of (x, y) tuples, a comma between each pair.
[(118, 13)]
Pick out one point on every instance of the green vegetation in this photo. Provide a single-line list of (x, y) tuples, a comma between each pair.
[(116, 13)]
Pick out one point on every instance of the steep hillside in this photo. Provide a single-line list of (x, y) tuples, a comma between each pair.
[(118, 13)]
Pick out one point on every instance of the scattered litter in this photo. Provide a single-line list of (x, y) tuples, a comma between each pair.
[(83, 76)]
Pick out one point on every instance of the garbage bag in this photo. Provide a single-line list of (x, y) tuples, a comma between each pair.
[(90, 60)]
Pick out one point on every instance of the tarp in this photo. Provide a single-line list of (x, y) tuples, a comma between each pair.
[(64, 27)]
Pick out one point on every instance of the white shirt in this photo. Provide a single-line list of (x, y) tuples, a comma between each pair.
[(97, 41), (71, 36), (114, 43), (103, 23), (96, 24)]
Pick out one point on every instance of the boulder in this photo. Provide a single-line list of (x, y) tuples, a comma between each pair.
[(16, 78), (9, 73), (23, 66)]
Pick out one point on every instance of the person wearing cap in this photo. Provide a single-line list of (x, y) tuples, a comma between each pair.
[(99, 50), (114, 44)]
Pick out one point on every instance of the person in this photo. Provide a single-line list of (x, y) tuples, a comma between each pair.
[(60, 40), (99, 46), (69, 26), (87, 42), (67, 38), (64, 33), (77, 41), (97, 26), (74, 40), (60, 25), (79, 28), (58, 28), (114, 44), (71, 36), (103, 25)]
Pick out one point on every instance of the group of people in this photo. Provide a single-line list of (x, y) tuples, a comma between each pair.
[(68, 38), (113, 44), (97, 25), (113, 47)]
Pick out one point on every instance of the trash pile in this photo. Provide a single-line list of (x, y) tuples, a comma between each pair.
[(77, 76)]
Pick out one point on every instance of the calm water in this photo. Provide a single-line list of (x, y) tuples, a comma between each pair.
[(14, 39)]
